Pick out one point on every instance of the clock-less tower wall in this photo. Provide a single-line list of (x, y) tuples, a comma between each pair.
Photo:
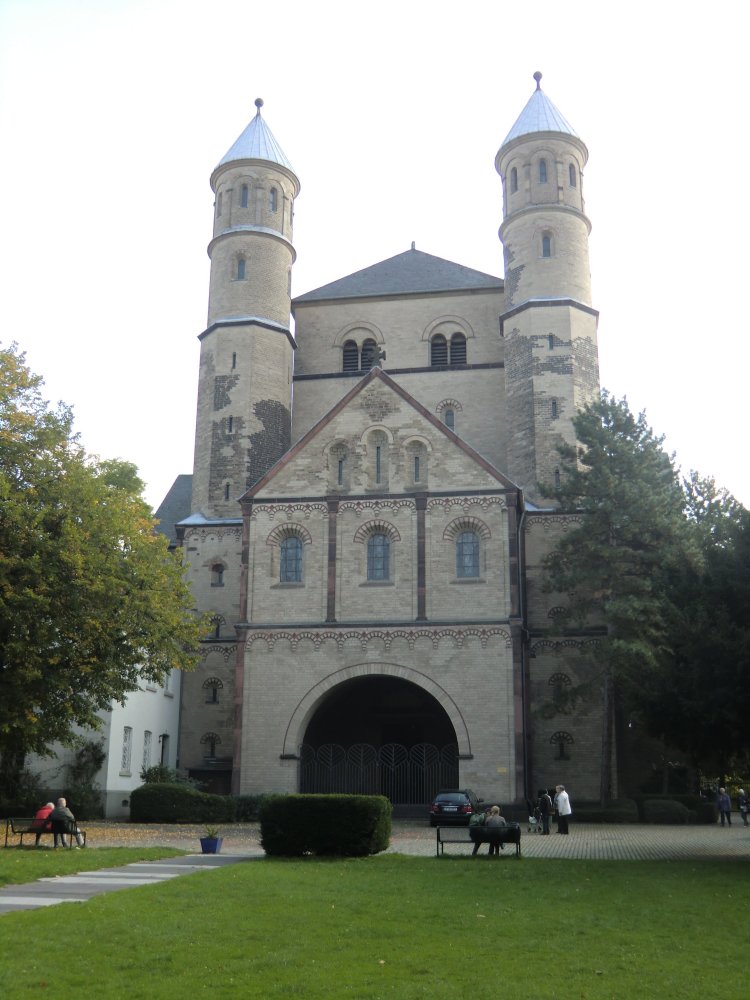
[(243, 422)]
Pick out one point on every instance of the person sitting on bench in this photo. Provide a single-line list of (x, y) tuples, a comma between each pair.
[(62, 818), (496, 821), (41, 821)]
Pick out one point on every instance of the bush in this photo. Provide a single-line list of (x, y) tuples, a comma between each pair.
[(700, 809), (177, 803), (248, 807), (342, 825), (665, 811), (616, 811)]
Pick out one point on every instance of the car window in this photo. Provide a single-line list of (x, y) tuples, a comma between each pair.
[(451, 798)]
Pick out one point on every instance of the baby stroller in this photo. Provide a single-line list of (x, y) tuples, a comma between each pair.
[(535, 817)]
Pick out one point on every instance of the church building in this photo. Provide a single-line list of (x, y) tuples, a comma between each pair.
[(364, 523)]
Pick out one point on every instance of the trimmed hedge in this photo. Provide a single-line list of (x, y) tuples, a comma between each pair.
[(665, 811), (166, 803), (700, 810), (341, 825), (616, 811)]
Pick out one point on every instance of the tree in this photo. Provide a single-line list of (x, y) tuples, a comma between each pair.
[(700, 701), (91, 602), (615, 565)]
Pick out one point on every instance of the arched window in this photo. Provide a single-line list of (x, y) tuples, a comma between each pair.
[(449, 419), (378, 557), (217, 575), (212, 687), (572, 176), (218, 204), (467, 555), (458, 349), (513, 180), (553, 409), (210, 742), (351, 356), (563, 741), (546, 246), (438, 350), (369, 352), (240, 269), (243, 196), (273, 199), (226, 491), (291, 560), (542, 171)]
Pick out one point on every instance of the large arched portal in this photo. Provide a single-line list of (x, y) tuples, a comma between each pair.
[(379, 735)]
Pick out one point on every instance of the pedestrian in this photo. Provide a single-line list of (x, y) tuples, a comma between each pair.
[(63, 816), (563, 808), (42, 822), (546, 808), (725, 806), (495, 821), (742, 803)]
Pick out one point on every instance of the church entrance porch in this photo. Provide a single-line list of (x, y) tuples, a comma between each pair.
[(379, 735)]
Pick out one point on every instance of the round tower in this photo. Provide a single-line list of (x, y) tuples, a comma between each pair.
[(549, 326), (243, 421)]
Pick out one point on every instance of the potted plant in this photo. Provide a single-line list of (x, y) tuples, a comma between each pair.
[(211, 841)]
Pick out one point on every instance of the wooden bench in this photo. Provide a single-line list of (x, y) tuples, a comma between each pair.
[(510, 834), (27, 826)]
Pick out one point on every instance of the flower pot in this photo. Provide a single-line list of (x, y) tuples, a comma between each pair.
[(211, 845)]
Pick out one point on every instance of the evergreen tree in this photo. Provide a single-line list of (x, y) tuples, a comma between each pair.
[(615, 566), (91, 602)]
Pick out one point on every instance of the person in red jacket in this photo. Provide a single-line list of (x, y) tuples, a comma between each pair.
[(42, 822)]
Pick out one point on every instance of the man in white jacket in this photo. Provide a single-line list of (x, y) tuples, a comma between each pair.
[(563, 809)]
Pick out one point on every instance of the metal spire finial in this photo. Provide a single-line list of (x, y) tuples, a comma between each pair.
[(537, 77), (258, 104)]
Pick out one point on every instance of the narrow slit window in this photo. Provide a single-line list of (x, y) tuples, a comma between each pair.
[(572, 176), (377, 463), (550, 341), (416, 468), (234, 360), (546, 246), (226, 491), (273, 199), (513, 180), (557, 479), (542, 171), (241, 269), (554, 409), (243, 196), (340, 478), (230, 425)]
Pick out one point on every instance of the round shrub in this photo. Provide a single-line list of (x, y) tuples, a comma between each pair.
[(665, 811), (339, 825)]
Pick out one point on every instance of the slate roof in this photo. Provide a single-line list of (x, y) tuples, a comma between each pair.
[(175, 507), (407, 273), (539, 115), (257, 143)]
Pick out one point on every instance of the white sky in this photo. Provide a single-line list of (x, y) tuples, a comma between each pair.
[(113, 114)]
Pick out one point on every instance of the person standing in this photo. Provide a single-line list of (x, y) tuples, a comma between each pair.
[(563, 807), (61, 814), (41, 821), (545, 807), (742, 804), (725, 806)]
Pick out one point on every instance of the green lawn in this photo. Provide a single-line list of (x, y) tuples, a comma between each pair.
[(25, 864), (397, 927)]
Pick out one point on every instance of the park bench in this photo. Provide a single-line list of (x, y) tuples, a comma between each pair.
[(27, 826), (510, 834)]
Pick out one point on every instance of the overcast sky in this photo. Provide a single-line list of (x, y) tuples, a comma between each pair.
[(113, 114)]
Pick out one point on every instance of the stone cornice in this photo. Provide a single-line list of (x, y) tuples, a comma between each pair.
[(384, 637)]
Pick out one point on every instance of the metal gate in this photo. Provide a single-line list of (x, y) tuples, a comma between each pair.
[(405, 775)]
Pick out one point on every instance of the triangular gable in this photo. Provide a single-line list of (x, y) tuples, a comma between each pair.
[(373, 375), (411, 272)]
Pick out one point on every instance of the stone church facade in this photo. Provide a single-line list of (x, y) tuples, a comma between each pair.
[(364, 524)]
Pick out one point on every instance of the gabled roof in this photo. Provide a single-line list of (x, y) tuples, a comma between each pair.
[(539, 115), (407, 273), (175, 506), (372, 375), (257, 143)]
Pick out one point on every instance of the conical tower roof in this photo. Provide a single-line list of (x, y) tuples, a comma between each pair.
[(257, 143), (539, 115)]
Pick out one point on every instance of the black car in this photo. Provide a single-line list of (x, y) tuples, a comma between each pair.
[(454, 807)]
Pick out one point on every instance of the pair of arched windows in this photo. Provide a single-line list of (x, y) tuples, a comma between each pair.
[(273, 198), (354, 360), (441, 353)]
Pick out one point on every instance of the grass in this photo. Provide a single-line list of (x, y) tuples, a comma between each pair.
[(396, 927), (26, 864)]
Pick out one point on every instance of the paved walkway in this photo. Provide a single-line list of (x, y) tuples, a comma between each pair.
[(628, 842)]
